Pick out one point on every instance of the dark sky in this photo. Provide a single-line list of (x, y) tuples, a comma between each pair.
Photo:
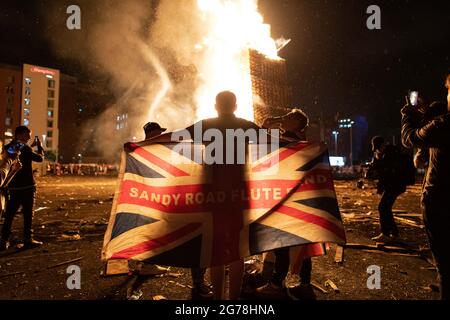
[(335, 63)]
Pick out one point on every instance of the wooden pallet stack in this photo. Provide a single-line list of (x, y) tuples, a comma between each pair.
[(272, 95)]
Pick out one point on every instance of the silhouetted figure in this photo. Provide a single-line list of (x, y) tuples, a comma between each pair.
[(434, 136), (22, 188)]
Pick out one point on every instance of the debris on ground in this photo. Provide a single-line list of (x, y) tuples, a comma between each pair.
[(332, 285)]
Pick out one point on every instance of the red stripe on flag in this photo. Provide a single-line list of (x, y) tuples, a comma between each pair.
[(156, 243), (289, 151), (161, 163), (319, 221), (194, 198)]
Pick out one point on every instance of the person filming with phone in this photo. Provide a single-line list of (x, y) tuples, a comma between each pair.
[(22, 187), (433, 135), (9, 163)]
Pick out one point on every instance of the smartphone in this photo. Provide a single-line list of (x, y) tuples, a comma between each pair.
[(36, 139), (414, 98), (13, 148)]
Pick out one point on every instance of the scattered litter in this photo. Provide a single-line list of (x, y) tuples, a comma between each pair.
[(41, 208), (169, 274), (409, 222), (67, 237), (136, 295), (339, 257), (332, 285), (319, 287), (64, 263), (159, 297), (180, 285), (427, 289)]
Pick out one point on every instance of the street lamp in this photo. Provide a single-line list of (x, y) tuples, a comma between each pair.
[(335, 133), (348, 123)]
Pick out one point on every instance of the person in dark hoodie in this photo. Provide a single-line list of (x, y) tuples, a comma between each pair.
[(434, 136), (386, 168), (22, 188)]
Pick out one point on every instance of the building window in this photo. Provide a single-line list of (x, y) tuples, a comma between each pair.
[(49, 124), (8, 121), (50, 113), (27, 81), (26, 112), (27, 91), (49, 144), (9, 100), (26, 122), (11, 79), (50, 104), (51, 83), (51, 93), (27, 101), (49, 134)]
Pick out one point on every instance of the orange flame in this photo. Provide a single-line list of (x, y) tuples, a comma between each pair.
[(232, 28)]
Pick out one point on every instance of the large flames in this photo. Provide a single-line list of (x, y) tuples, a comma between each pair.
[(232, 27)]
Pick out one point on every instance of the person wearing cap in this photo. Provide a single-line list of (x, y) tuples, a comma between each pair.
[(153, 129)]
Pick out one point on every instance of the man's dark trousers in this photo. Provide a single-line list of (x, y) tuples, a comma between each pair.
[(25, 198), (387, 222), (437, 223)]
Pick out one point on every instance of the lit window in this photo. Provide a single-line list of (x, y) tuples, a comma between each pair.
[(26, 122), (50, 113), (27, 91), (49, 134), (26, 112), (8, 121), (117, 127), (118, 118), (49, 144), (27, 101), (51, 93), (27, 81), (51, 83)]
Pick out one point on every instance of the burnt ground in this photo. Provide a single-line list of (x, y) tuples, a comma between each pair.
[(71, 218)]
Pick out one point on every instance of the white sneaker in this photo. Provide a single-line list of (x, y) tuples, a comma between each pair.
[(384, 238)]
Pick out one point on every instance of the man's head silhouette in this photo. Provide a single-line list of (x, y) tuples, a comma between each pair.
[(226, 103)]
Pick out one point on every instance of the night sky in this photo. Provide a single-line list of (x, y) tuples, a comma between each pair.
[(335, 63)]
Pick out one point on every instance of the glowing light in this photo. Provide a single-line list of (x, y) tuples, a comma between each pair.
[(233, 27)]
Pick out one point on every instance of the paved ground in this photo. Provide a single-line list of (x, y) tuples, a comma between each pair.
[(71, 217)]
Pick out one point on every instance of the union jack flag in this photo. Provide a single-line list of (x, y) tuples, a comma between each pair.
[(171, 210)]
